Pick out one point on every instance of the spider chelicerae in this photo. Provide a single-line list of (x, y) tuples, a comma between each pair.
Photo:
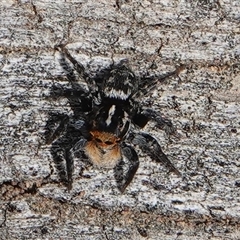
[(106, 121)]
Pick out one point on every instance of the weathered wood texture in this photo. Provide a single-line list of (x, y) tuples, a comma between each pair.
[(202, 100)]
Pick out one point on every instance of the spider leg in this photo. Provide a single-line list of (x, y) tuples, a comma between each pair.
[(149, 145), (64, 133), (55, 126), (148, 83), (79, 68), (145, 115), (78, 94), (69, 70), (59, 157), (124, 176), (54, 134), (76, 151)]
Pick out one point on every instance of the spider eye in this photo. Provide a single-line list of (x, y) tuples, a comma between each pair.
[(108, 142), (98, 140)]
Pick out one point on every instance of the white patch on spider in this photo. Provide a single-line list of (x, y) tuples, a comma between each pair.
[(110, 114), (113, 93)]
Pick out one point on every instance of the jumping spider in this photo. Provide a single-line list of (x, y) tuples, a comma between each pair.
[(106, 122)]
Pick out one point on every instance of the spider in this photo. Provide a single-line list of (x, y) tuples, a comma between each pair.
[(106, 122)]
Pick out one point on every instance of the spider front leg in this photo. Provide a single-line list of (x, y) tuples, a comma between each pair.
[(59, 157), (149, 145), (78, 127), (145, 115), (78, 67), (63, 157), (77, 151), (55, 134), (64, 133), (124, 176), (55, 127)]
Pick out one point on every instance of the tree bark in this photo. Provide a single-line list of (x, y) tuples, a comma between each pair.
[(198, 38)]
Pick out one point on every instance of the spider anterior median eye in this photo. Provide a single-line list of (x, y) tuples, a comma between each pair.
[(98, 140), (108, 142)]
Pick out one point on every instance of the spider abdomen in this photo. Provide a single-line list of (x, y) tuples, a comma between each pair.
[(121, 83)]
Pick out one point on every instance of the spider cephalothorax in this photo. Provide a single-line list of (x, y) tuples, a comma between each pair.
[(106, 122)]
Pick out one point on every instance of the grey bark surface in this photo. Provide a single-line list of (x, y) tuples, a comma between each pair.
[(202, 100)]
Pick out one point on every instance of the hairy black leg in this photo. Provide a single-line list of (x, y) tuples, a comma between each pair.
[(147, 114), (79, 98), (59, 157), (124, 172), (77, 151), (63, 157), (64, 133), (54, 129), (70, 169), (78, 95), (149, 145), (148, 83), (69, 71), (55, 126), (79, 68)]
